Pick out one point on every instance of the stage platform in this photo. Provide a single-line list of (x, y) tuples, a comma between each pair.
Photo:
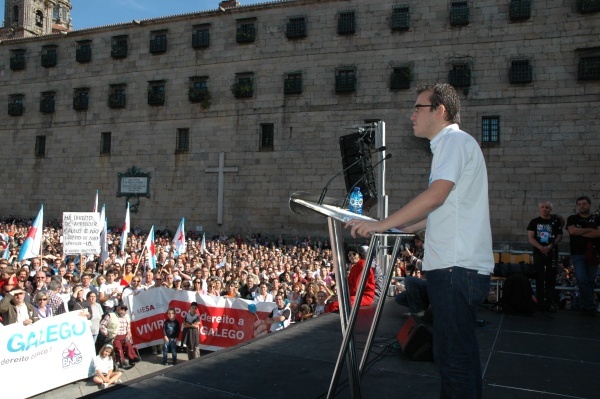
[(543, 356)]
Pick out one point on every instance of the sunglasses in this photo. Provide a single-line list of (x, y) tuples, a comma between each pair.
[(42, 299)]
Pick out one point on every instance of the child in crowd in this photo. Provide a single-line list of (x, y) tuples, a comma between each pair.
[(171, 329), (320, 306), (104, 366), (191, 325)]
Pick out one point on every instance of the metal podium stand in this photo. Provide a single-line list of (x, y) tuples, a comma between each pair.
[(305, 203)]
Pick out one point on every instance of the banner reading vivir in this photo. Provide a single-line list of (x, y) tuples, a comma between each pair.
[(224, 322), (44, 355)]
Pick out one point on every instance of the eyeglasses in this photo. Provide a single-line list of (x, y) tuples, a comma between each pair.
[(197, 282), (417, 106)]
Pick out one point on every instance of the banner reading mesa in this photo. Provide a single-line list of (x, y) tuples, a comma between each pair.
[(224, 322)]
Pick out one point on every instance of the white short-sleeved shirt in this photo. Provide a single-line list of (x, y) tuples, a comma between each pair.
[(103, 364), (459, 232), (107, 289)]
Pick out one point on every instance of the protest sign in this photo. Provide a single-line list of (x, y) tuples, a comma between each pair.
[(81, 233), (44, 355)]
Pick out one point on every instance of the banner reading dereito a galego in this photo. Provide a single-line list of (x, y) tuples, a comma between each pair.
[(44, 355), (224, 322)]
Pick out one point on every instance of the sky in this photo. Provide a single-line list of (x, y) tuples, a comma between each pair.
[(93, 13)]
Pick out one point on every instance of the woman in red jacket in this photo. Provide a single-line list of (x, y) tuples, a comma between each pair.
[(356, 257)]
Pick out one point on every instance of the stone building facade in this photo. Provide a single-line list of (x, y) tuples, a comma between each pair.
[(273, 86)]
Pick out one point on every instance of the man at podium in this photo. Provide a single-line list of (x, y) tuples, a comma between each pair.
[(458, 243)]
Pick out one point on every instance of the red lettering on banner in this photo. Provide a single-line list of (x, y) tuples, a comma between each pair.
[(148, 329)]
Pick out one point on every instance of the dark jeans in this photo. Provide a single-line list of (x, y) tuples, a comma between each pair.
[(170, 346), (545, 279), (455, 294), (586, 276), (415, 294)]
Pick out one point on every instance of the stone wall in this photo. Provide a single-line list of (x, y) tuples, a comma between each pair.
[(548, 145)]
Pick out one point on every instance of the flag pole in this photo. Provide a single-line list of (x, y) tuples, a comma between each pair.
[(139, 260)]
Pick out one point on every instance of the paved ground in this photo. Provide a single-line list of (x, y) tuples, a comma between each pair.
[(149, 364)]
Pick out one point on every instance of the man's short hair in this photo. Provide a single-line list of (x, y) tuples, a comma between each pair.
[(443, 94), (584, 197), (54, 285)]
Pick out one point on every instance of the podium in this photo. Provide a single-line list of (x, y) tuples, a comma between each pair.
[(304, 203)]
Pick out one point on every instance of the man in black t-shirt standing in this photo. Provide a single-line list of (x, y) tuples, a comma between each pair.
[(584, 233), (545, 233)]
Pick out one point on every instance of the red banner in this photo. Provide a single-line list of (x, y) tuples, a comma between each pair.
[(224, 322)]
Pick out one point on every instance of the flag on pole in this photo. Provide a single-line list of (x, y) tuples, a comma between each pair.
[(6, 250), (103, 235), (203, 245), (96, 202), (126, 229), (33, 241), (179, 239), (151, 249)]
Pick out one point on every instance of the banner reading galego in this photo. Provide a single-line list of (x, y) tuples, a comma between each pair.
[(224, 322), (44, 355)]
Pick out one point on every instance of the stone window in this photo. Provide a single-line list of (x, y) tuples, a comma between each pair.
[(116, 96), (40, 146), (105, 143), (292, 83), (156, 92), (201, 36), (345, 79), (295, 27), (244, 85), (246, 31), (81, 99), (400, 17), (520, 72), (49, 56), (346, 23), (267, 133), (182, 143), (15, 105), (460, 13), (47, 102), (17, 59), (158, 41), (460, 75), (401, 78), (118, 46), (83, 53), (490, 129)]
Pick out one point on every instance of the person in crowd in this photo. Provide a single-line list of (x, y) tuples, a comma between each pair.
[(296, 295), (97, 313), (171, 330), (54, 300), (544, 233), (104, 367), (191, 327), (357, 264), (148, 279), (197, 286), (278, 319), (250, 290), (14, 309), (78, 302), (264, 295), (212, 287), (232, 289), (116, 327), (304, 313), (110, 291), (86, 283), (134, 288), (584, 232), (458, 251), (41, 305), (321, 305)]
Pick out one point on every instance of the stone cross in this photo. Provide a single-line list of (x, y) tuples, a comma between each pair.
[(221, 171)]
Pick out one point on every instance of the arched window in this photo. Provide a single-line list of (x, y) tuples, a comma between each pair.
[(39, 19), (15, 18)]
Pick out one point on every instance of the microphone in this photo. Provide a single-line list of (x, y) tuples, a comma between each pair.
[(360, 158), (388, 156)]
